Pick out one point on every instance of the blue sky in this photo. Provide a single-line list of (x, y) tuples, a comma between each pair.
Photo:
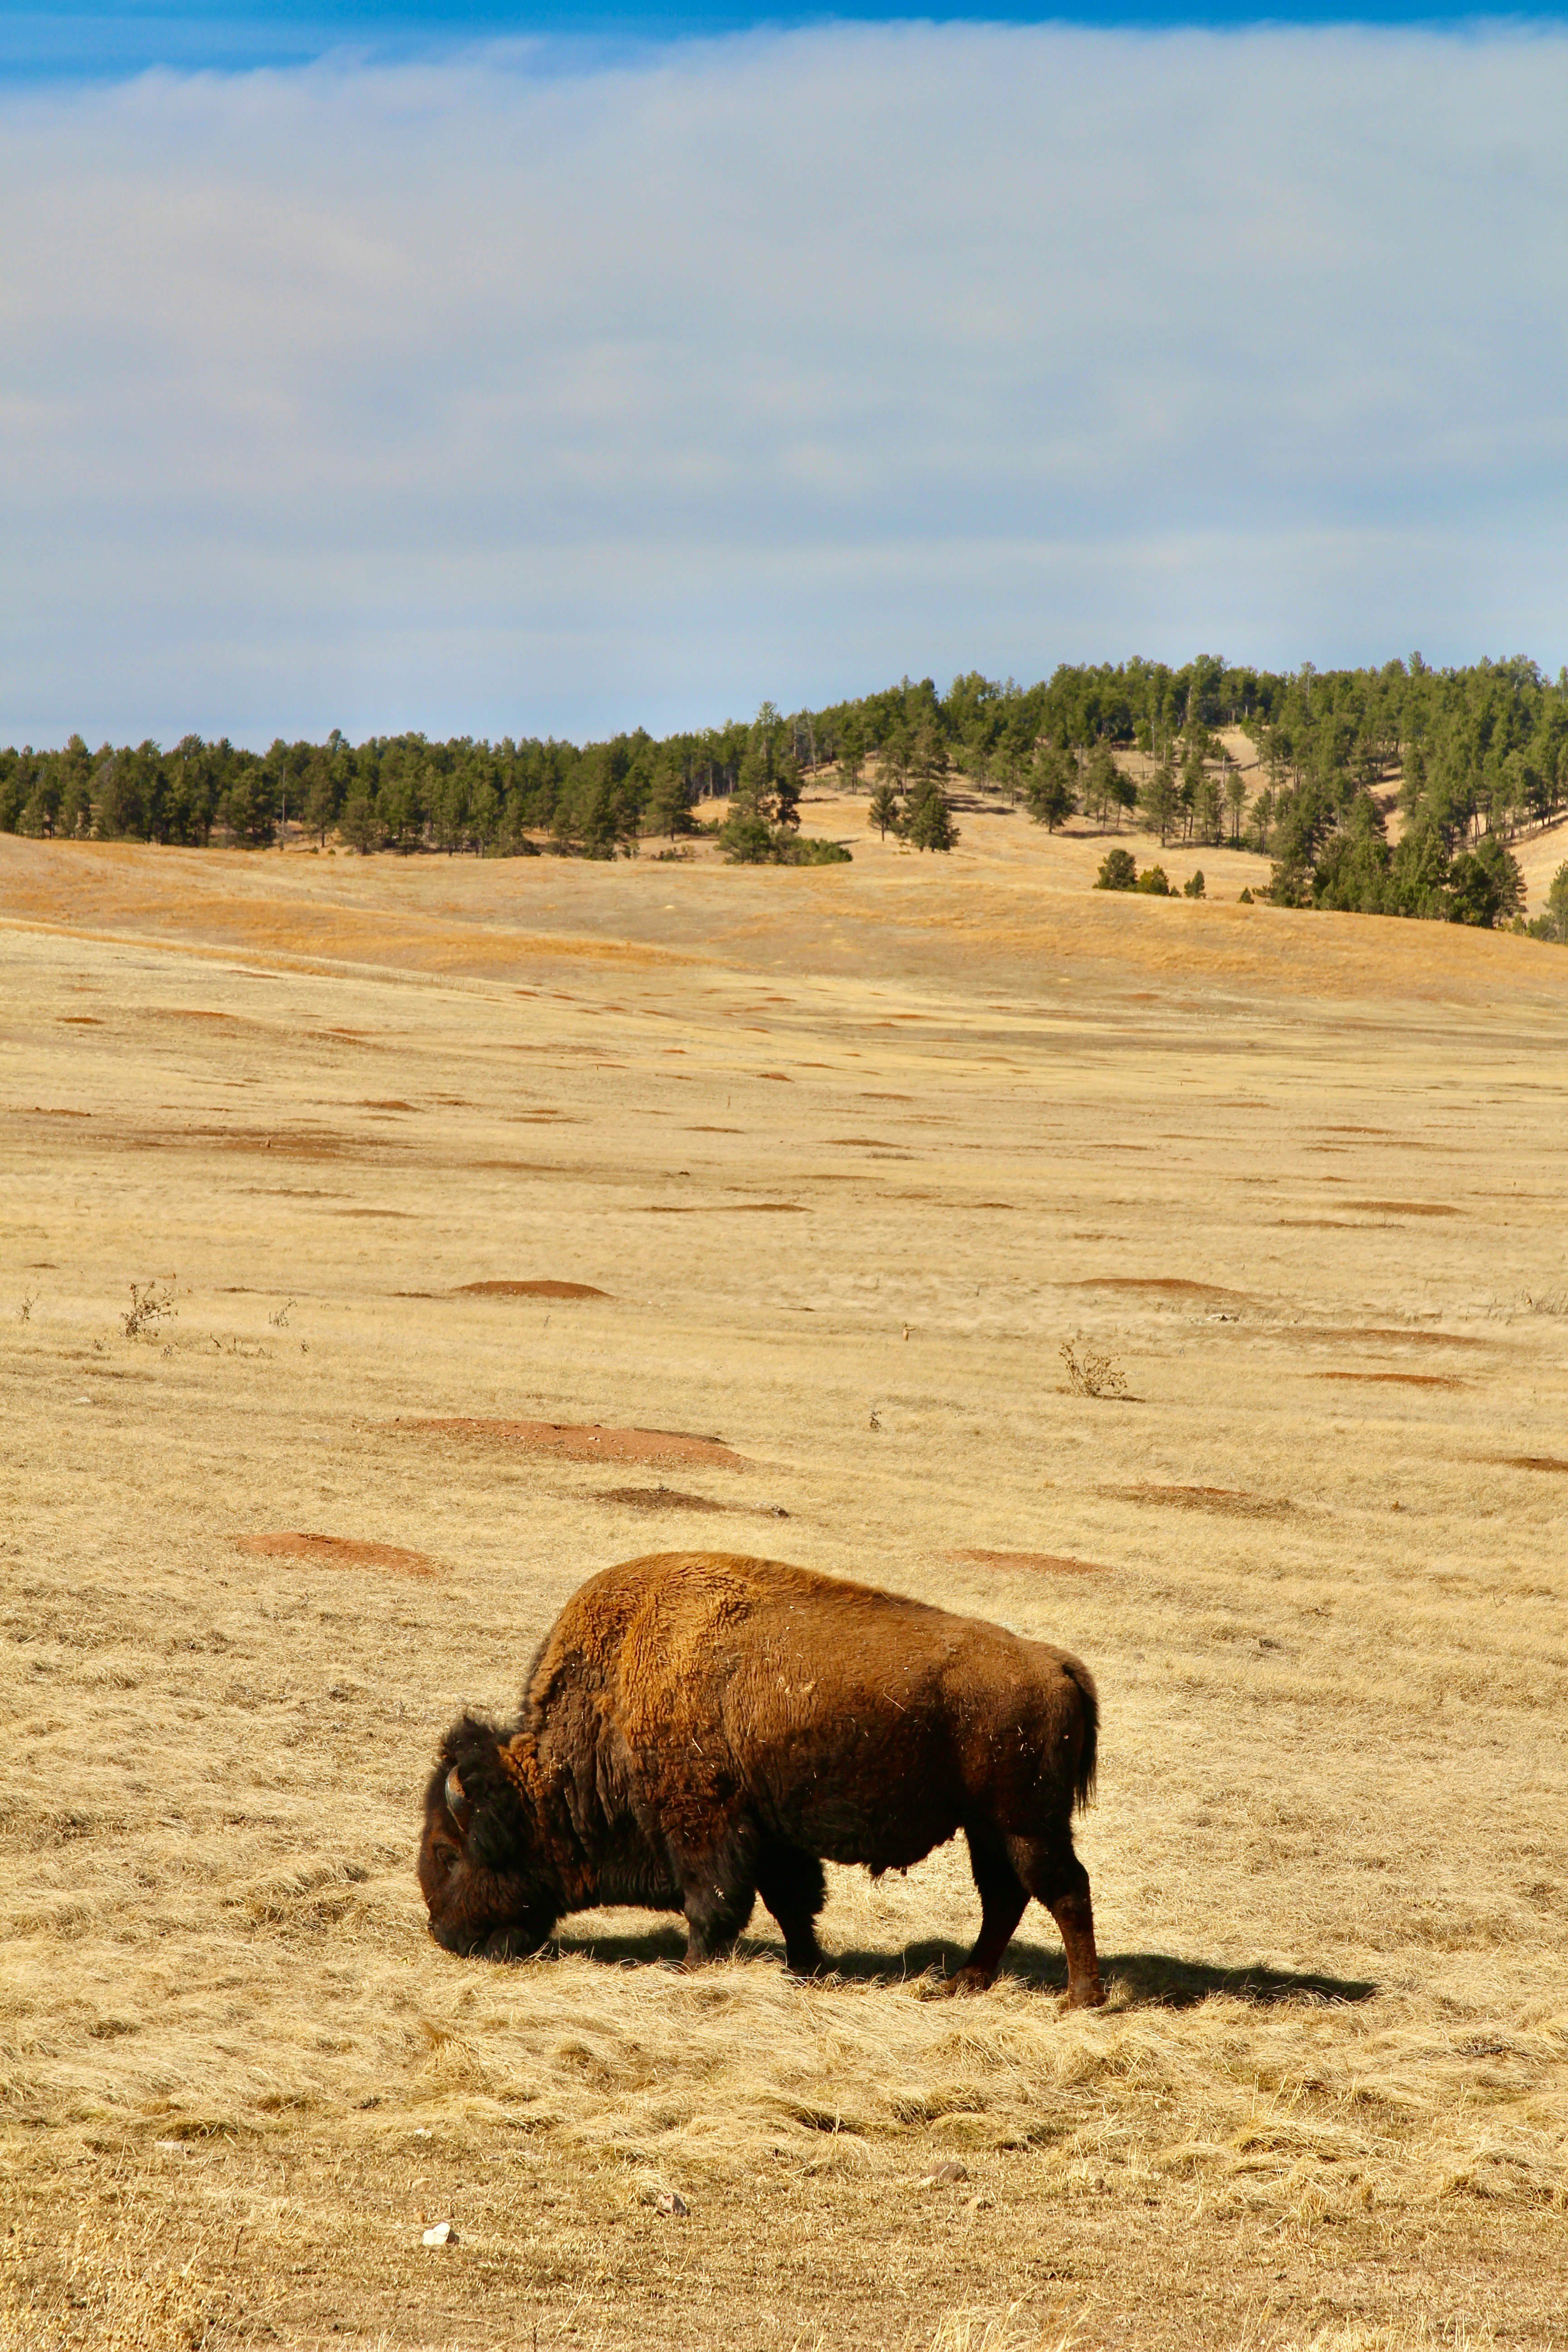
[(474, 380)]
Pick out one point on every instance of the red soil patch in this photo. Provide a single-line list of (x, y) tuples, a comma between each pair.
[(338, 1551), (391, 1102), (1408, 1208), (1043, 1563), (1399, 1380), (780, 1078), (580, 1442), (543, 1289), (1234, 1502), (80, 1021), (1171, 1286), (1532, 1461)]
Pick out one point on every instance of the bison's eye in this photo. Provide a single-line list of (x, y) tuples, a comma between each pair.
[(447, 1857)]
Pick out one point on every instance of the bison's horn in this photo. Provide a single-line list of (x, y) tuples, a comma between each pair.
[(456, 1799)]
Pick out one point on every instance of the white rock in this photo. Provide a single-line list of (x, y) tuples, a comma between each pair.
[(443, 2234), (671, 2201)]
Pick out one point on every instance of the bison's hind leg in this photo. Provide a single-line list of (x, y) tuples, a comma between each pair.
[(1002, 1901), (1054, 1876), (792, 1885)]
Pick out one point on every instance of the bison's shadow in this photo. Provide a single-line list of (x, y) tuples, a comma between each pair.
[(1136, 1980)]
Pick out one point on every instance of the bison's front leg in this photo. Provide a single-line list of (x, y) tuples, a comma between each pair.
[(792, 1885), (717, 1894)]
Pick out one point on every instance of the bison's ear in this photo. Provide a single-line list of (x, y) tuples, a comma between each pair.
[(488, 1811)]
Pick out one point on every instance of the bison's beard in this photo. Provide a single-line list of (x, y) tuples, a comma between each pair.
[(479, 1914)]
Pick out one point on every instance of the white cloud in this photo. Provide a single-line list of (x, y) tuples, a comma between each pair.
[(509, 393)]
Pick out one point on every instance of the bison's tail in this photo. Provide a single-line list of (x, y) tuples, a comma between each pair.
[(1089, 1748)]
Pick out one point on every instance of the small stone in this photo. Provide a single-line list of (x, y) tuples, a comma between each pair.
[(946, 2174), (670, 2200), (443, 2234), (980, 2204)]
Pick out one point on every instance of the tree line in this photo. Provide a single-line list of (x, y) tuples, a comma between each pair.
[(1476, 754)]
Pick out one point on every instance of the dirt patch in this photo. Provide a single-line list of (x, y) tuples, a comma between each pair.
[(583, 1440), (737, 1208), (1408, 1208), (1232, 1502), (338, 1551), (1399, 1380), (1532, 1462), (388, 1102), (80, 1021), (671, 1498), (1169, 1286), (1379, 1331), (547, 1288), (1039, 1563)]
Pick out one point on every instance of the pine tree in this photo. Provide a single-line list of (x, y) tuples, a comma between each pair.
[(930, 824), (883, 811)]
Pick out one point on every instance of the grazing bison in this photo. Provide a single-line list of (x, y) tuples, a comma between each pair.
[(700, 1728)]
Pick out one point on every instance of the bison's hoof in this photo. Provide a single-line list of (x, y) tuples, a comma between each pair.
[(967, 1980), (1088, 1996)]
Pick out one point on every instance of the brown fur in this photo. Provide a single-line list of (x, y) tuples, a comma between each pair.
[(699, 1728)]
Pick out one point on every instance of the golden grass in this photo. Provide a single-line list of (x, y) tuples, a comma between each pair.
[(1328, 2104)]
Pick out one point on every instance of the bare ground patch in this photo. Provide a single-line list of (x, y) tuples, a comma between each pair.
[(581, 1440), (337, 1552), (1532, 1461), (1233, 1502), (672, 1498), (1398, 1380), (1167, 1286), (1408, 1208), (1352, 1333), (546, 1287), (1039, 1563)]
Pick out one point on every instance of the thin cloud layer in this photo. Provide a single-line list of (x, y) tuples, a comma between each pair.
[(514, 394)]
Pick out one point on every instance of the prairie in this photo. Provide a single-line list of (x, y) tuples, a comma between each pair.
[(492, 1222)]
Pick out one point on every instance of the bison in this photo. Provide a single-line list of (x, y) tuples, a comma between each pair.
[(699, 1728)]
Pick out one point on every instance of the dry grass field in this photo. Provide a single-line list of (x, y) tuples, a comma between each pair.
[(849, 1153)]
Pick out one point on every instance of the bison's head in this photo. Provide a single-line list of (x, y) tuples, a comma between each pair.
[(479, 1872)]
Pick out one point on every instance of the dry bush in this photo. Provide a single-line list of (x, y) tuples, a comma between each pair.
[(150, 1306), (1092, 1371)]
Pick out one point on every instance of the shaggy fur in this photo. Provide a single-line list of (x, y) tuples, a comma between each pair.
[(699, 1728)]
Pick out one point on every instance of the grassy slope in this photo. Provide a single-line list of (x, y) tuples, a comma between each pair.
[(1329, 2101)]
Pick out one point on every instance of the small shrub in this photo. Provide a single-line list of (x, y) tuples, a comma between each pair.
[(1091, 1374), (797, 851), (1117, 871), (1245, 899), (1194, 888), (29, 1300), (1156, 881), (148, 1308)]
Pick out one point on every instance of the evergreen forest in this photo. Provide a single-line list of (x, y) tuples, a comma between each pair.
[(1470, 758)]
